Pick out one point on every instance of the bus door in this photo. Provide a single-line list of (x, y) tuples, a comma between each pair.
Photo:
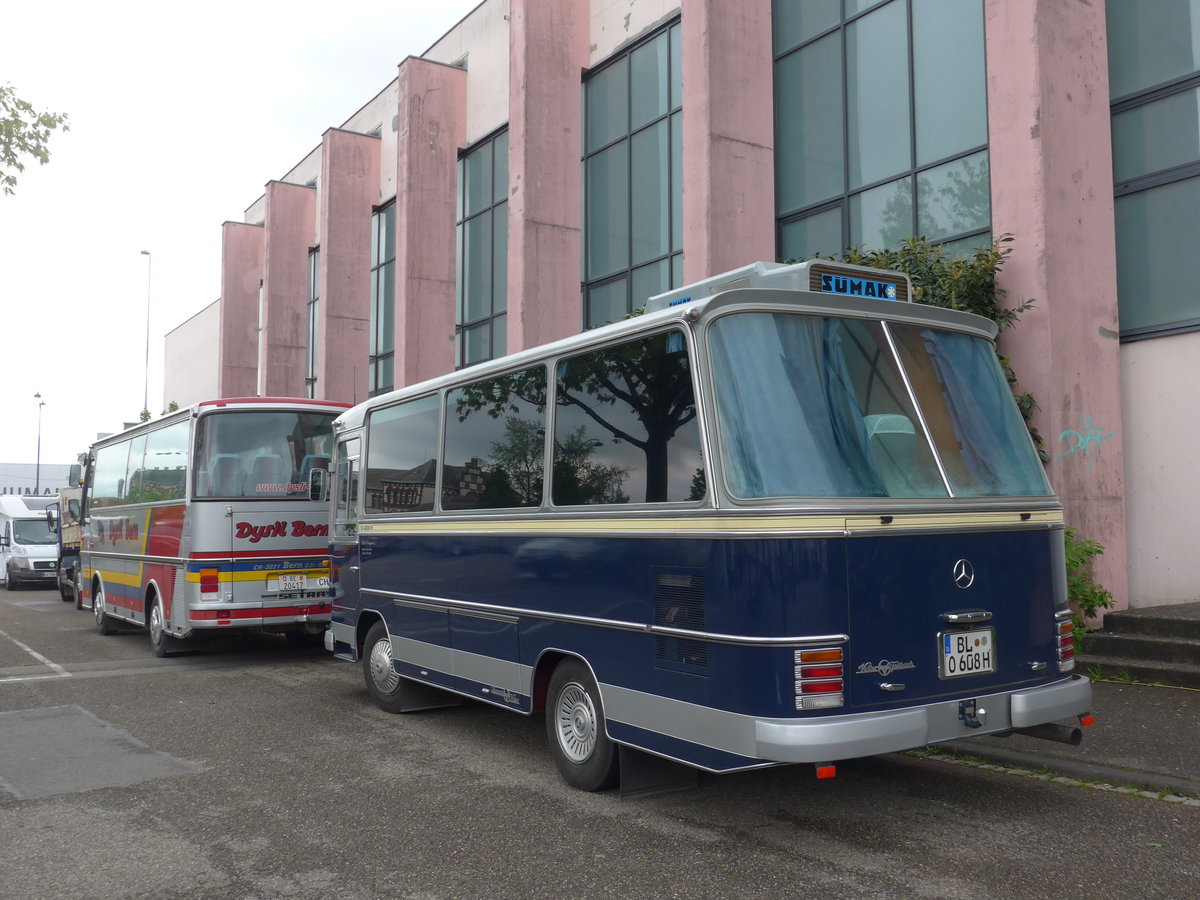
[(344, 539)]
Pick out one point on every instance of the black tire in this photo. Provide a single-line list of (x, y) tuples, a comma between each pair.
[(10, 583), (104, 623), (385, 686), (160, 642), (579, 741)]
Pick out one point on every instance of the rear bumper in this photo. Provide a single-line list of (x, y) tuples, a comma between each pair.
[(867, 734)]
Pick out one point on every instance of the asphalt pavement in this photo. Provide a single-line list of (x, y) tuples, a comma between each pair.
[(1144, 736)]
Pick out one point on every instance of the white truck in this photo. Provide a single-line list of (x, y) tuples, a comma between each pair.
[(28, 548)]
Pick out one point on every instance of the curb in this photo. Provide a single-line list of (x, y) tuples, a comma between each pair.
[(1079, 770)]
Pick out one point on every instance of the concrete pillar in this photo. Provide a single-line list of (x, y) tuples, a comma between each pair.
[(432, 128), (241, 276), (290, 232), (728, 136), (349, 191), (1052, 189), (548, 44)]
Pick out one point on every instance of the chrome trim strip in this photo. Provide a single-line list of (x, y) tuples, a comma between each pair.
[(441, 604), (135, 557)]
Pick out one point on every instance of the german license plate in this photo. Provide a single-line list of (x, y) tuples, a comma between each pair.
[(968, 652)]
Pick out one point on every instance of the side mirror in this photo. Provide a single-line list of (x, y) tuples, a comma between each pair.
[(52, 518), (318, 485)]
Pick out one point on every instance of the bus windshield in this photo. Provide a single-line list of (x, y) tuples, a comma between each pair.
[(261, 455), (816, 406), (33, 531)]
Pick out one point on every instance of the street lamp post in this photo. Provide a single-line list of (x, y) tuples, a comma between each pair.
[(37, 471), (146, 396)]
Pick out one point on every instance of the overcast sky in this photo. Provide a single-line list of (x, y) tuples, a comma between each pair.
[(179, 116)]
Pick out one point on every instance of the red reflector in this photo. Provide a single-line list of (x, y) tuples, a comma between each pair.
[(826, 771), (1066, 653), (1087, 721), (820, 671), (821, 687), (1066, 642)]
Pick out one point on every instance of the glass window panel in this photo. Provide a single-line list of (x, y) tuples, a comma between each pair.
[(676, 68), (496, 442), (648, 79), (816, 235), (854, 7), (500, 258), (477, 267), (811, 406), (387, 233), (677, 181), (676, 270), (608, 211), (256, 454), (500, 168), (966, 247), (477, 344), (385, 375), (625, 427), (1157, 264), (387, 308), (809, 148), (608, 104), (948, 74), (795, 21), (499, 336), (479, 179), (1156, 136), (954, 198), (877, 95), (882, 217), (608, 303), (164, 474), (650, 182), (969, 409), (402, 449), (1151, 42), (649, 280)]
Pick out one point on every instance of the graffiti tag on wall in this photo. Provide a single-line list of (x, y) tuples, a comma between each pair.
[(1086, 440)]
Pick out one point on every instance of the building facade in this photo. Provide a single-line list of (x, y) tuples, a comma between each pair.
[(549, 164)]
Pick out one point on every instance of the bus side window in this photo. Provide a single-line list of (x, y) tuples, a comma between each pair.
[(345, 486)]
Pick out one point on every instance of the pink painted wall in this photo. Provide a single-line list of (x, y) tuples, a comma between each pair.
[(1051, 167), (290, 223), (349, 190), (241, 274), (432, 128), (548, 42), (728, 136)]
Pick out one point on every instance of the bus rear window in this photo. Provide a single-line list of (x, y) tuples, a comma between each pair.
[(816, 406), (260, 455)]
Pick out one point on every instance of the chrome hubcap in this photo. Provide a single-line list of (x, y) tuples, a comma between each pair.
[(98, 605), (383, 672), (156, 624), (577, 726)]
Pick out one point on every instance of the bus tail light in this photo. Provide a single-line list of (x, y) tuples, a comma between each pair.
[(209, 581), (1066, 645), (820, 682)]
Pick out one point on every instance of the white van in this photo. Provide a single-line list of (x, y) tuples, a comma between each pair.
[(28, 548)]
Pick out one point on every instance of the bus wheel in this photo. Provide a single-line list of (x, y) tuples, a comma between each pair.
[(385, 686), (585, 756), (104, 624), (160, 642)]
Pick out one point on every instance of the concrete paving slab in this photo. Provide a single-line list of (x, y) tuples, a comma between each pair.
[(65, 749)]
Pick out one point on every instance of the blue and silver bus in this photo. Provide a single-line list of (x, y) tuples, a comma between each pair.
[(784, 516)]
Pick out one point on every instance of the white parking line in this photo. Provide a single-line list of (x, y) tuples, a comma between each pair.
[(59, 671)]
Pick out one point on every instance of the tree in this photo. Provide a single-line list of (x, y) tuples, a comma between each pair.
[(23, 132)]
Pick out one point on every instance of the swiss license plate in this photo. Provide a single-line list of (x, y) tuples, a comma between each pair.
[(288, 582), (968, 652)]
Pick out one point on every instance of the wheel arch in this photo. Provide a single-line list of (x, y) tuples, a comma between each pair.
[(544, 668)]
